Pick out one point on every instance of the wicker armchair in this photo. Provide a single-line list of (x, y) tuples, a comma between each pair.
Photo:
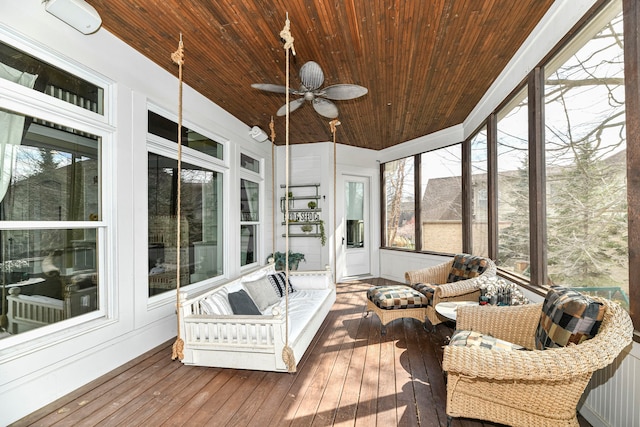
[(526, 388), (461, 290)]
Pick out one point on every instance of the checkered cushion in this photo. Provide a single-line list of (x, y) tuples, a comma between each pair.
[(396, 297), (476, 339), (567, 317), (466, 267), (426, 289)]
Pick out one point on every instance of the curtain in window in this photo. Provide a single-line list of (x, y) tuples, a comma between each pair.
[(11, 127)]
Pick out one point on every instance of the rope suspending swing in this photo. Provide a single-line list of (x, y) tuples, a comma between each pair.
[(178, 58), (287, 353), (333, 124)]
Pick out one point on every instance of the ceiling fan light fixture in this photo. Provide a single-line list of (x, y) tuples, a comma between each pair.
[(312, 78)]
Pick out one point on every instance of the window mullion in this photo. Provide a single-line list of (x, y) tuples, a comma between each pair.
[(537, 199), (417, 201), (467, 193), (492, 187), (632, 104)]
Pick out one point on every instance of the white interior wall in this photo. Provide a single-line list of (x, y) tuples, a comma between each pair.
[(313, 164)]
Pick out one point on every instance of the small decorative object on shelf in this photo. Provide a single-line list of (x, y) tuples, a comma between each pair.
[(307, 228), (497, 291), (312, 205)]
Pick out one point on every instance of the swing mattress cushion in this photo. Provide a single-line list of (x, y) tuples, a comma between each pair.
[(304, 304)]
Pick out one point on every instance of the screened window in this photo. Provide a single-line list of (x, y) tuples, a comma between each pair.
[(400, 230), (479, 194), (585, 150), (441, 202), (513, 186), (200, 244)]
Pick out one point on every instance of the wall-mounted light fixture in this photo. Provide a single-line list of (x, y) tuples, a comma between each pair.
[(76, 13), (258, 134)]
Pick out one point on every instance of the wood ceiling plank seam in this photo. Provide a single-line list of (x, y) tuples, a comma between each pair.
[(419, 44), (414, 41), (389, 37), (478, 58), (466, 47), (374, 62), (438, 76), (354, 27)]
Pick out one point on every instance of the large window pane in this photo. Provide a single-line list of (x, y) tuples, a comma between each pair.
[(400, 203), (200, 224), (355, 209), (441, 204), (249, 200), (513, 186), (47, 275), (48, 173), (250, 215), (586, 163), (479, 195)]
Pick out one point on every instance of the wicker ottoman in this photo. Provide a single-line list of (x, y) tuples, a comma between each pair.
[(395, 302)]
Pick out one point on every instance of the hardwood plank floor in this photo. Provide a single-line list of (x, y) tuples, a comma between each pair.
[(350, 375)]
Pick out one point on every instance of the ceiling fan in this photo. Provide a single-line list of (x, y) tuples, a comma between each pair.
[(312, 78)]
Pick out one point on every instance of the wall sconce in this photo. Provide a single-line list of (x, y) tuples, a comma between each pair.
[(76, 13), (258, 134)]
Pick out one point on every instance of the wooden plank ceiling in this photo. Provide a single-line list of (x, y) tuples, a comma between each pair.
[(426, 63)]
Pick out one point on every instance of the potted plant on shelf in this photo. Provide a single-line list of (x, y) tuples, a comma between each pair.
[(279, 259), (312, 204), (307, 228)]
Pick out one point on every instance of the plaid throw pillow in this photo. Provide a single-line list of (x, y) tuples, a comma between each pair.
[(426, 289), (466, 267), (567, 317), (476, 339), (278, 281)]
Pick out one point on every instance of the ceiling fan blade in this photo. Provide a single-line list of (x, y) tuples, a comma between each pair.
[(270, 87), (325, 108), (344, 92), (311, 75), (293, 106)]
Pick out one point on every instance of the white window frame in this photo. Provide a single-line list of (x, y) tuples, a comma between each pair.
[(258, 178), (26, 101), (169, 149)]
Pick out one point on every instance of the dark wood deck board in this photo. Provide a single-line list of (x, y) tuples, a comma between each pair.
[(350, 375)]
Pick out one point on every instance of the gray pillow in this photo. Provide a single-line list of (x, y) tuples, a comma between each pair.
[(261, 292), (241, 303)]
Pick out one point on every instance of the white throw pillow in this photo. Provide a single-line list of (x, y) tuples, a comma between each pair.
[(261, 292), (217, 303)]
